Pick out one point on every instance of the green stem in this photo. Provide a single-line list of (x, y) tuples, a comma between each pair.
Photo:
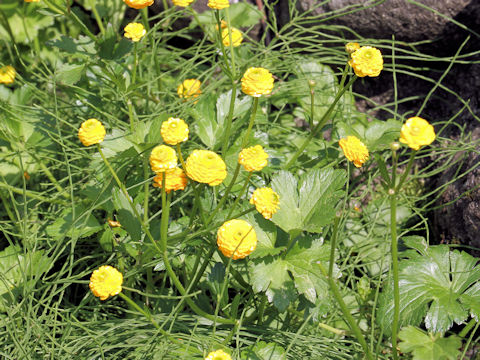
[(179, 153), (220, 39), (225, 195), (131, 117), (467, 328), (407, 171), (239, 197), (350, 320), (165, 215), (228, 125), (311, 85), (135, 60), (146, 189), (321, 123), (250, 123), (144, 13), (50, 176), (98, 18), (333, 246), (232, 54), (261, 309), (396, 289), (32, 194)]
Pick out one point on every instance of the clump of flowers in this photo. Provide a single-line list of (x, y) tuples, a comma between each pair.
[(138, 4), (266, 201), (174, 131), (354, 150), (175, 180), (236, 239), (106, 281), (257, 82), (163, 158), (366, 61), (218, 4), (182, 3), (253, 158), (417, 132), (237, 37), (351, 47), (7, 74), (205, 166), (91, 132), (134, 31), (189, 88)]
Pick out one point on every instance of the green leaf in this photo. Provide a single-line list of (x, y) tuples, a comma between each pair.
[(126, 215), (206, 126), (425, 346), (440, 284), (309, 205), (266, 236), (83, 46), (25, 24), (264, 351), (70, 74), (82, 225)]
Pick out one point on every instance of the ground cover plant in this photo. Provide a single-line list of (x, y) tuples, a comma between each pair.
[(201, 192)]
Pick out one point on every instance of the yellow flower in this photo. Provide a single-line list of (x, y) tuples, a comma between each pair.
[(218, 355), (417, 132), (223, 25), (351, 47), (266, 201), (134, 31), (175, 180), (183, 3), (138, 4), (106, 281), (189, 88), (32, 0), (257, 82), (91, 132), (218, 4), (237, 37), (163, 158), (174, 131), (366, 61), (236, 239), (253, 158), (354, 150), (206, 167), (7, 74)]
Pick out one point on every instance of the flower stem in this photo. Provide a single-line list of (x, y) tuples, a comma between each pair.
[(321, 123), (232, 54), (165, 215), (407, 171), (311, 85), (396, 290), (149, 317), (98, 18), (228, 125), (250, 123), (237, 200), (135, 60)]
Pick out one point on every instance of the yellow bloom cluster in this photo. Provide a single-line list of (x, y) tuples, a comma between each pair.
[(417, 132), (266, 201), (189, 88), (7, 74), (206, 167), (218, 355), (174, 131), (106, 281), (32, 0), (354, 150), (366, 61), (175, 180), (237, 37), (182, 3), (218, 4), (236, 239), (134, 31), (91, 132), (253, 158), (257, 82), (138, 4), (163, 158)]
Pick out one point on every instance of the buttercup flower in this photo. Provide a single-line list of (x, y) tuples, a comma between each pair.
[(206, 167), (237, 37), (175, 180), (257, 82), (354, 150), (106, 281), (32, 0), (218, 355), (182, 3), (253, 158), (189, 88), (351, 47), (91, 132), (7, 74), (266, 201), (134, 31), (417, 132), (218, 4), (236, 239), (366, 61), (223, 25), (174, 131), (138, 4), (163, 158)]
